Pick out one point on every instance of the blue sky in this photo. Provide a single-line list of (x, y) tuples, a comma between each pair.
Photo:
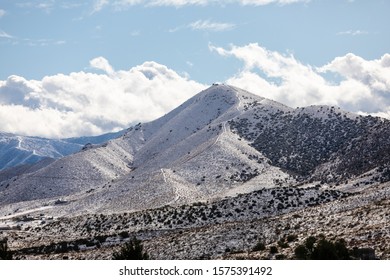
[(48, 45), (50, 37)]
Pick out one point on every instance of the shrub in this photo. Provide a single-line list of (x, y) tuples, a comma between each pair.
[(301, 252), (322, 249), (260, 246), (291, 238), (132, 250), (124, 234), (280, 257), (5, 254), (273, 250), (282, 244)]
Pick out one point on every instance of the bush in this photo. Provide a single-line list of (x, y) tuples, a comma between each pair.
[(282, 244), (5, 254), (273, 250), (291, 238), (322, 249), (124, 234), (260, 246), (132, 250)]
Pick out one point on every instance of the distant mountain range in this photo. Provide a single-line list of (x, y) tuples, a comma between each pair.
[(18, 150)]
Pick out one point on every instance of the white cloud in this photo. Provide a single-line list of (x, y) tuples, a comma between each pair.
[(205, 25), (30, 42), (373, 73), (102, 64), (46, 5), (135, 33), (267, 2), (2, 13), (180, 3), (211, 26), (365, 84), (99, 5), (86, 103), (353, 32), (4, 34)]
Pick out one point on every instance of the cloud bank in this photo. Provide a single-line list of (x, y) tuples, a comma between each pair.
[(364, 85), (88, 103)]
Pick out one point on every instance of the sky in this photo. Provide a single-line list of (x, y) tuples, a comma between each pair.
[(71, 68)]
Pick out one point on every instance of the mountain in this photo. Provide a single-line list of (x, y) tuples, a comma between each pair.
[(162, 162), (222, 142), (18, 150), (224, 165)]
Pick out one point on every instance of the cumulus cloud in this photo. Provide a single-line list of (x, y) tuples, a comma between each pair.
[(364, 85), (373, 73), (102, 64), (85, 103)]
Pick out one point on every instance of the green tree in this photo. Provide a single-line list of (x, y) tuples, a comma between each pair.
[(5, 254), (132, 250)]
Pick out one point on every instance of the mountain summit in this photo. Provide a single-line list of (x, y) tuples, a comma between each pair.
[(222, 142)]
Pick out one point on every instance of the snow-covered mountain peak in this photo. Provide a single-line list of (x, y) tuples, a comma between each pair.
[(161, 159)]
